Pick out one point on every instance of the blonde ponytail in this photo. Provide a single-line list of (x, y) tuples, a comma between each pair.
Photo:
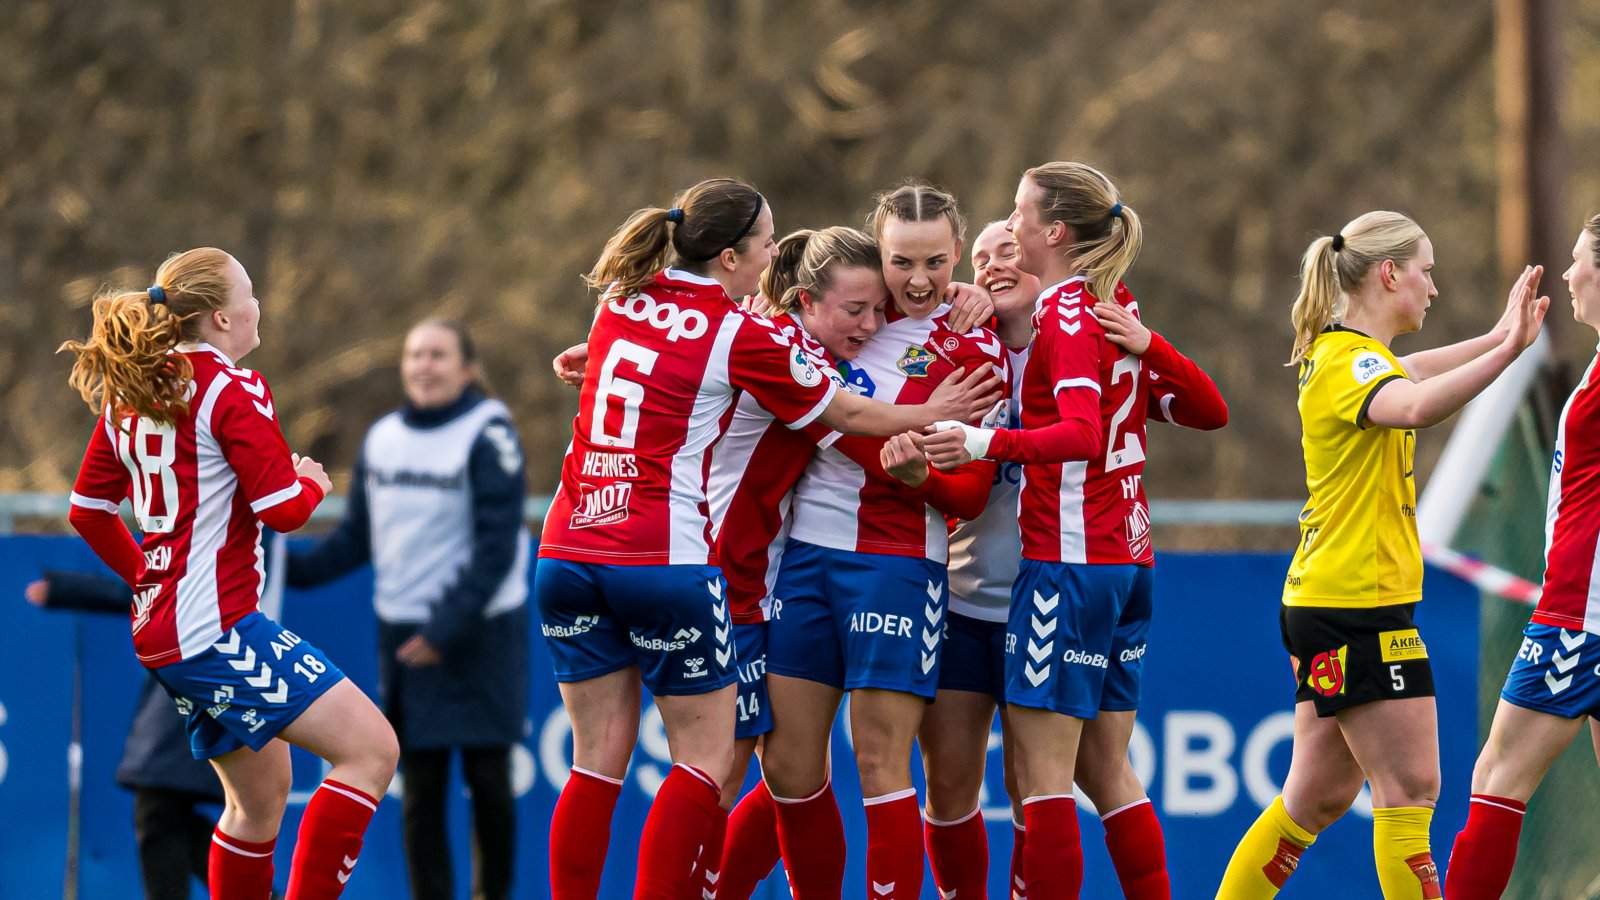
[(1107, 234), (1333, 268)]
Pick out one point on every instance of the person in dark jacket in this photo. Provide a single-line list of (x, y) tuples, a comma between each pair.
[(169, 785), (435, 506)]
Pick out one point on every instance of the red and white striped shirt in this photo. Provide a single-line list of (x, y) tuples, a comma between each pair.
[(1571, 596), (836, 504), (665, 367), (754, 469), (200, 490), (1084, 407)]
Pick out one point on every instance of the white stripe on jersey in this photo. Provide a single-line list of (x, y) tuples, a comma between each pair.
[(1074, 535), (828, 508), (732, 454), (1077, 382), (198, 618), (688, 538), (91, 503), (276, 497)]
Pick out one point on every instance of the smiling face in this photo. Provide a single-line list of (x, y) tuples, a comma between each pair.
[(1037, 240), (995, 269), (433, 370), (848, 313), (918, 259), (1583, 281)]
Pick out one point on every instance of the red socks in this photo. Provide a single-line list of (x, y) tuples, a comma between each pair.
[(751, 848), (1019, 885), (1484, 853), (1133, 835), (580, 830), (707, 880), (894, 846), (329, 843), (239, 869), (959, 854), (686, 809), (811, 834), (1053, 858)]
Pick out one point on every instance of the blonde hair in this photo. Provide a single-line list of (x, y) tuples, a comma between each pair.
[(807, 260), (1107, 234), (915, 201), (1592, 225), (713, 216), (127, 363), (1333, 268)]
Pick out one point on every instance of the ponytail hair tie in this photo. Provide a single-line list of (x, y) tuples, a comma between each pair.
[(1116, 210), (157, 294), (1338, 242), (675, 215)]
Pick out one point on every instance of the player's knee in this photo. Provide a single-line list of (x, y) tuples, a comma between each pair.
[(953, 790)]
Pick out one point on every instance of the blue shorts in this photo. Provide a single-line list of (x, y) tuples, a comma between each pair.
[(246, 688), (1075, 642), (1556, 672), (974, 657), (670, 621), (858, 620), (755, 719)]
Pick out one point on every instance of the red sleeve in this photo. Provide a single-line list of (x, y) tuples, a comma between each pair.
[(292, 513), (779, 374), (1180, 391), (109, 539), (962, 493), (246, 426), (98, 492), (1071, 352)]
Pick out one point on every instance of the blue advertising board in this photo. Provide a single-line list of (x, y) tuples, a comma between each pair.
[(1212, 745)]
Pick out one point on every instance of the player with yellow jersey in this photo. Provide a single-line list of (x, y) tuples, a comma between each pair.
[(1364, 707)]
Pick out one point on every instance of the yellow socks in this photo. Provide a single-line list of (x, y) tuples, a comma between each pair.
[(1400, 848), (1268, 854)]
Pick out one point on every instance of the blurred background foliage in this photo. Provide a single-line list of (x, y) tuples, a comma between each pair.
[(373, 163)]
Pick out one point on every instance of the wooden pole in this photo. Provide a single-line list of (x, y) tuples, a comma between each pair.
[(1535, 224)]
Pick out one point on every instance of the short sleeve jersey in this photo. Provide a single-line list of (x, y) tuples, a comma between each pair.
[(1358, 531), (665, 368), (1571, 596), (836, 504), (196, 489)]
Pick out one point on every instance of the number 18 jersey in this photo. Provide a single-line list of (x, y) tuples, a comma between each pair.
[(198, 489), (665, 368)]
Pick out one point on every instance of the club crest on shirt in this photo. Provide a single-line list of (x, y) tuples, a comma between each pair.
[(914, 362)]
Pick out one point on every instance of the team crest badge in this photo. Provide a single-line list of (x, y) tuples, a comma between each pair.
[(914, 363)]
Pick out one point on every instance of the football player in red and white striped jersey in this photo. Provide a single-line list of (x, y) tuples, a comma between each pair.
[(1554, 684), (1082, 600), (193, 440), (861, 598), (626, 584)]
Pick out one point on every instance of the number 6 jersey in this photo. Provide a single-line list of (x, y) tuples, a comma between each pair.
[(201, 488), (665, 367)]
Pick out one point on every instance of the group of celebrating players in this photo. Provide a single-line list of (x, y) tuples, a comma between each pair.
[(819, 465)]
